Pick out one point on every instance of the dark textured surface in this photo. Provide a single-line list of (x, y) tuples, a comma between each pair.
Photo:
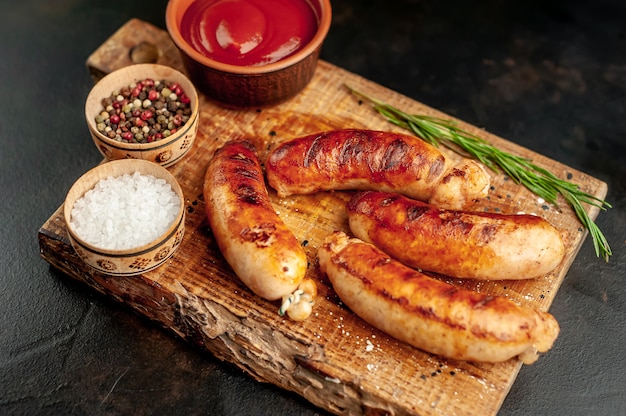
[(551, 77)]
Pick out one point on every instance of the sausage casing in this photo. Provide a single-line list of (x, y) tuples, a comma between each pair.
[(430, 314), (259, 247), (476, 245), (354, 159)]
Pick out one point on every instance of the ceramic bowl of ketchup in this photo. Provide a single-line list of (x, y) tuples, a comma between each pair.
[(249, 53)]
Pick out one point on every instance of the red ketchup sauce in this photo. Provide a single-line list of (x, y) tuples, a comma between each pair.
[(248, 32)]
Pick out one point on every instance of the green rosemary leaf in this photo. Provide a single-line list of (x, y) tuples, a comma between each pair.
[(523, 171)]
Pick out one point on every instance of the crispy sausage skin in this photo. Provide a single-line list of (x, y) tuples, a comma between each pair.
[(373, 160), (430, 314), (461, 244), (257, 244)]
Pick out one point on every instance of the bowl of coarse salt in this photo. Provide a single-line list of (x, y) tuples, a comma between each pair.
[(143, 111), (125, 217)]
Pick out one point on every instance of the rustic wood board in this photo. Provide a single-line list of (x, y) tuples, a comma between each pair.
[(334, 359)]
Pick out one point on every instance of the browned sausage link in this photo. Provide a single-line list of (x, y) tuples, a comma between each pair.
[(481, 245), (430, 314), (260, 248), (372, 160)]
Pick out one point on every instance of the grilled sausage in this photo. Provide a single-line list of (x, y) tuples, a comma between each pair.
[(430, 314), (373, 160), (256, 243), (461, 244)]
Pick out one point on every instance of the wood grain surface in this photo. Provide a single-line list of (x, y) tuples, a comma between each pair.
[(334, 359)]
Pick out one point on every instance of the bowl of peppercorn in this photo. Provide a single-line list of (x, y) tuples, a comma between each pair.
[(143, 111), (249, 53)]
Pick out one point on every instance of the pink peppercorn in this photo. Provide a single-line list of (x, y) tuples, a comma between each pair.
[(115, 119), (176, 89), (146, 115), (153, 95)]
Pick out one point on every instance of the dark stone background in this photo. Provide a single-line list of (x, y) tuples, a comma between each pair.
[(550, 76)]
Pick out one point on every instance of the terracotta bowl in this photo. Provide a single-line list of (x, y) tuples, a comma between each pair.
[(249, 86), (132, 261), (166, 151)]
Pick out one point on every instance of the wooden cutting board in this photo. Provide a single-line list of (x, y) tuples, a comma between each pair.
[(333, 359)]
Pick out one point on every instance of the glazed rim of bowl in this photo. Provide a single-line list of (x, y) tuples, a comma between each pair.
[(174, 15), (117, 168), (128, 75)]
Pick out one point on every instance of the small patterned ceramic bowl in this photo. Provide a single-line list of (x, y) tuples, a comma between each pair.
[(165, 151), (131, 261)]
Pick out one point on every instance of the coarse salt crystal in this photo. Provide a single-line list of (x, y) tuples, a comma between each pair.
[(124, 212)]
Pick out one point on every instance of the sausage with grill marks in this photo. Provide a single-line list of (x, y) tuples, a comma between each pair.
[(430, 314), (477, 245), (257, 244), (355, 159)]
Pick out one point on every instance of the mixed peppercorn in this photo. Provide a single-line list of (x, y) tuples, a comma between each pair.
[(144, 112)]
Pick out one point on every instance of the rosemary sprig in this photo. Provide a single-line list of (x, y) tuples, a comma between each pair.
[(523, 171)]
